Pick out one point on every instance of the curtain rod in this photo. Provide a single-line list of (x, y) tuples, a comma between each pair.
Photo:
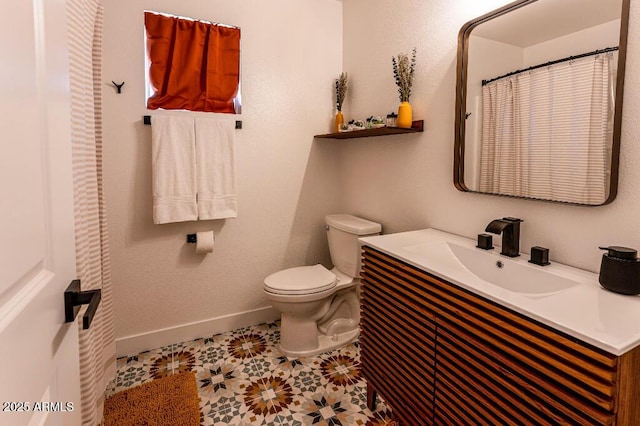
[(146, 119), (169, 15), (557, 61)]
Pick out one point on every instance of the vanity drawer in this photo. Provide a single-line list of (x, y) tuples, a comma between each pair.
[(505, 390)]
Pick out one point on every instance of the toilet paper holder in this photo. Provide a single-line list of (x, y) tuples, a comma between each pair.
[(203, 241)]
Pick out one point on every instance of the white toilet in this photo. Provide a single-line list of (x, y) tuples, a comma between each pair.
[(321, 308)]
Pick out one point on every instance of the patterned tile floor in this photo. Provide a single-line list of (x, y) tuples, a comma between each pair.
[(244, 380)]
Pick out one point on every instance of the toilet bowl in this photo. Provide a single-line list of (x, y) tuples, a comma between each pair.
[(320, 308)]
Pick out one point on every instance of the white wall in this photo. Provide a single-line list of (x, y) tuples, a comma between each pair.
[(291, 53), (598, 37), (406, 182), (504, 58)]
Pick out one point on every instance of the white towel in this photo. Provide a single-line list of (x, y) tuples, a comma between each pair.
[(216, 169), (173, 169)]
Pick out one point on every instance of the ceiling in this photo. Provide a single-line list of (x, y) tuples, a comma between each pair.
[(545, 20)]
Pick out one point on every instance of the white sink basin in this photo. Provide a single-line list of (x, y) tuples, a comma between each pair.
[(514, 276)]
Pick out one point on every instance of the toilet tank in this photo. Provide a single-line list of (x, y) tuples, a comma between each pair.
[(343, 231)]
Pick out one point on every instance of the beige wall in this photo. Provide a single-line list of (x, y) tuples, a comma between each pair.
[(405, 182), (291, 52)]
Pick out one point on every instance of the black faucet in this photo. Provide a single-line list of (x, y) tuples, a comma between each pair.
[(509, 227)]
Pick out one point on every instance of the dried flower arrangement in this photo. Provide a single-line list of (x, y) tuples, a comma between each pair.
[(341, 90), (403, 72)]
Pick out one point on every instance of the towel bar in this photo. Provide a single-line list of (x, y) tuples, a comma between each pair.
[(146, 119)]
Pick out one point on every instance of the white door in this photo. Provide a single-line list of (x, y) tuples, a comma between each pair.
[(39, 374)]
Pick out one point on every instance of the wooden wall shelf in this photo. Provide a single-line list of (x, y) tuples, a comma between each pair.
[(416, 127)]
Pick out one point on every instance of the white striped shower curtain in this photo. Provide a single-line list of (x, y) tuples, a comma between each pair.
[(547, 132), (97, 345)]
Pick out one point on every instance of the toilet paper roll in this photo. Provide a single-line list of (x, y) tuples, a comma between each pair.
[(205, 242)]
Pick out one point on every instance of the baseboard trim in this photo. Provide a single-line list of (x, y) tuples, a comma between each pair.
[(134, 344)]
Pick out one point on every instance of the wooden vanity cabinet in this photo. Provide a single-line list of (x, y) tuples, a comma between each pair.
[(441, 355)]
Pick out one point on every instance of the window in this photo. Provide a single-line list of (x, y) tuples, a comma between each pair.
[(192, 65)]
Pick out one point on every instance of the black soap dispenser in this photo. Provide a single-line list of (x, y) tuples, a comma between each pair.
[(620, 270)]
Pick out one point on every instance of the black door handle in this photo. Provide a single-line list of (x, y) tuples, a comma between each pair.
[(73, 298)]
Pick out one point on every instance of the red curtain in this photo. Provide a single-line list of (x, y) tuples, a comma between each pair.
[(194, 65)]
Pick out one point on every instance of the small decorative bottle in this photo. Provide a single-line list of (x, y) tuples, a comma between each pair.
[(392, 119), (338, 122)]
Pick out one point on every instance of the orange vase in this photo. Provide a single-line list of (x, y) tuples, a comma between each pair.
[(339, 121), (405, 115)]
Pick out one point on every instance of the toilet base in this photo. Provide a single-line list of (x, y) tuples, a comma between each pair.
[(325, 343)]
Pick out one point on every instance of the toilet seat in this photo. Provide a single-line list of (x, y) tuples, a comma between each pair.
[(300, 280)]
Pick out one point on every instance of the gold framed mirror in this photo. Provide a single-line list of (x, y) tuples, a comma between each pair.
[(539, 100)]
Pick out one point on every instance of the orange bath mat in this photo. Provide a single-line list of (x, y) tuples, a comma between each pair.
[(169, 401)]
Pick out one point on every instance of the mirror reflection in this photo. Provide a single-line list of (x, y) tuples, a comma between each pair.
[(537, 101)]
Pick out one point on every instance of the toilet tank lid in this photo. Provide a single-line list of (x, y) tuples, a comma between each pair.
[(352, 224)]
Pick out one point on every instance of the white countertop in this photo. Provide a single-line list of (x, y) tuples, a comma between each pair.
[(607, 320)]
